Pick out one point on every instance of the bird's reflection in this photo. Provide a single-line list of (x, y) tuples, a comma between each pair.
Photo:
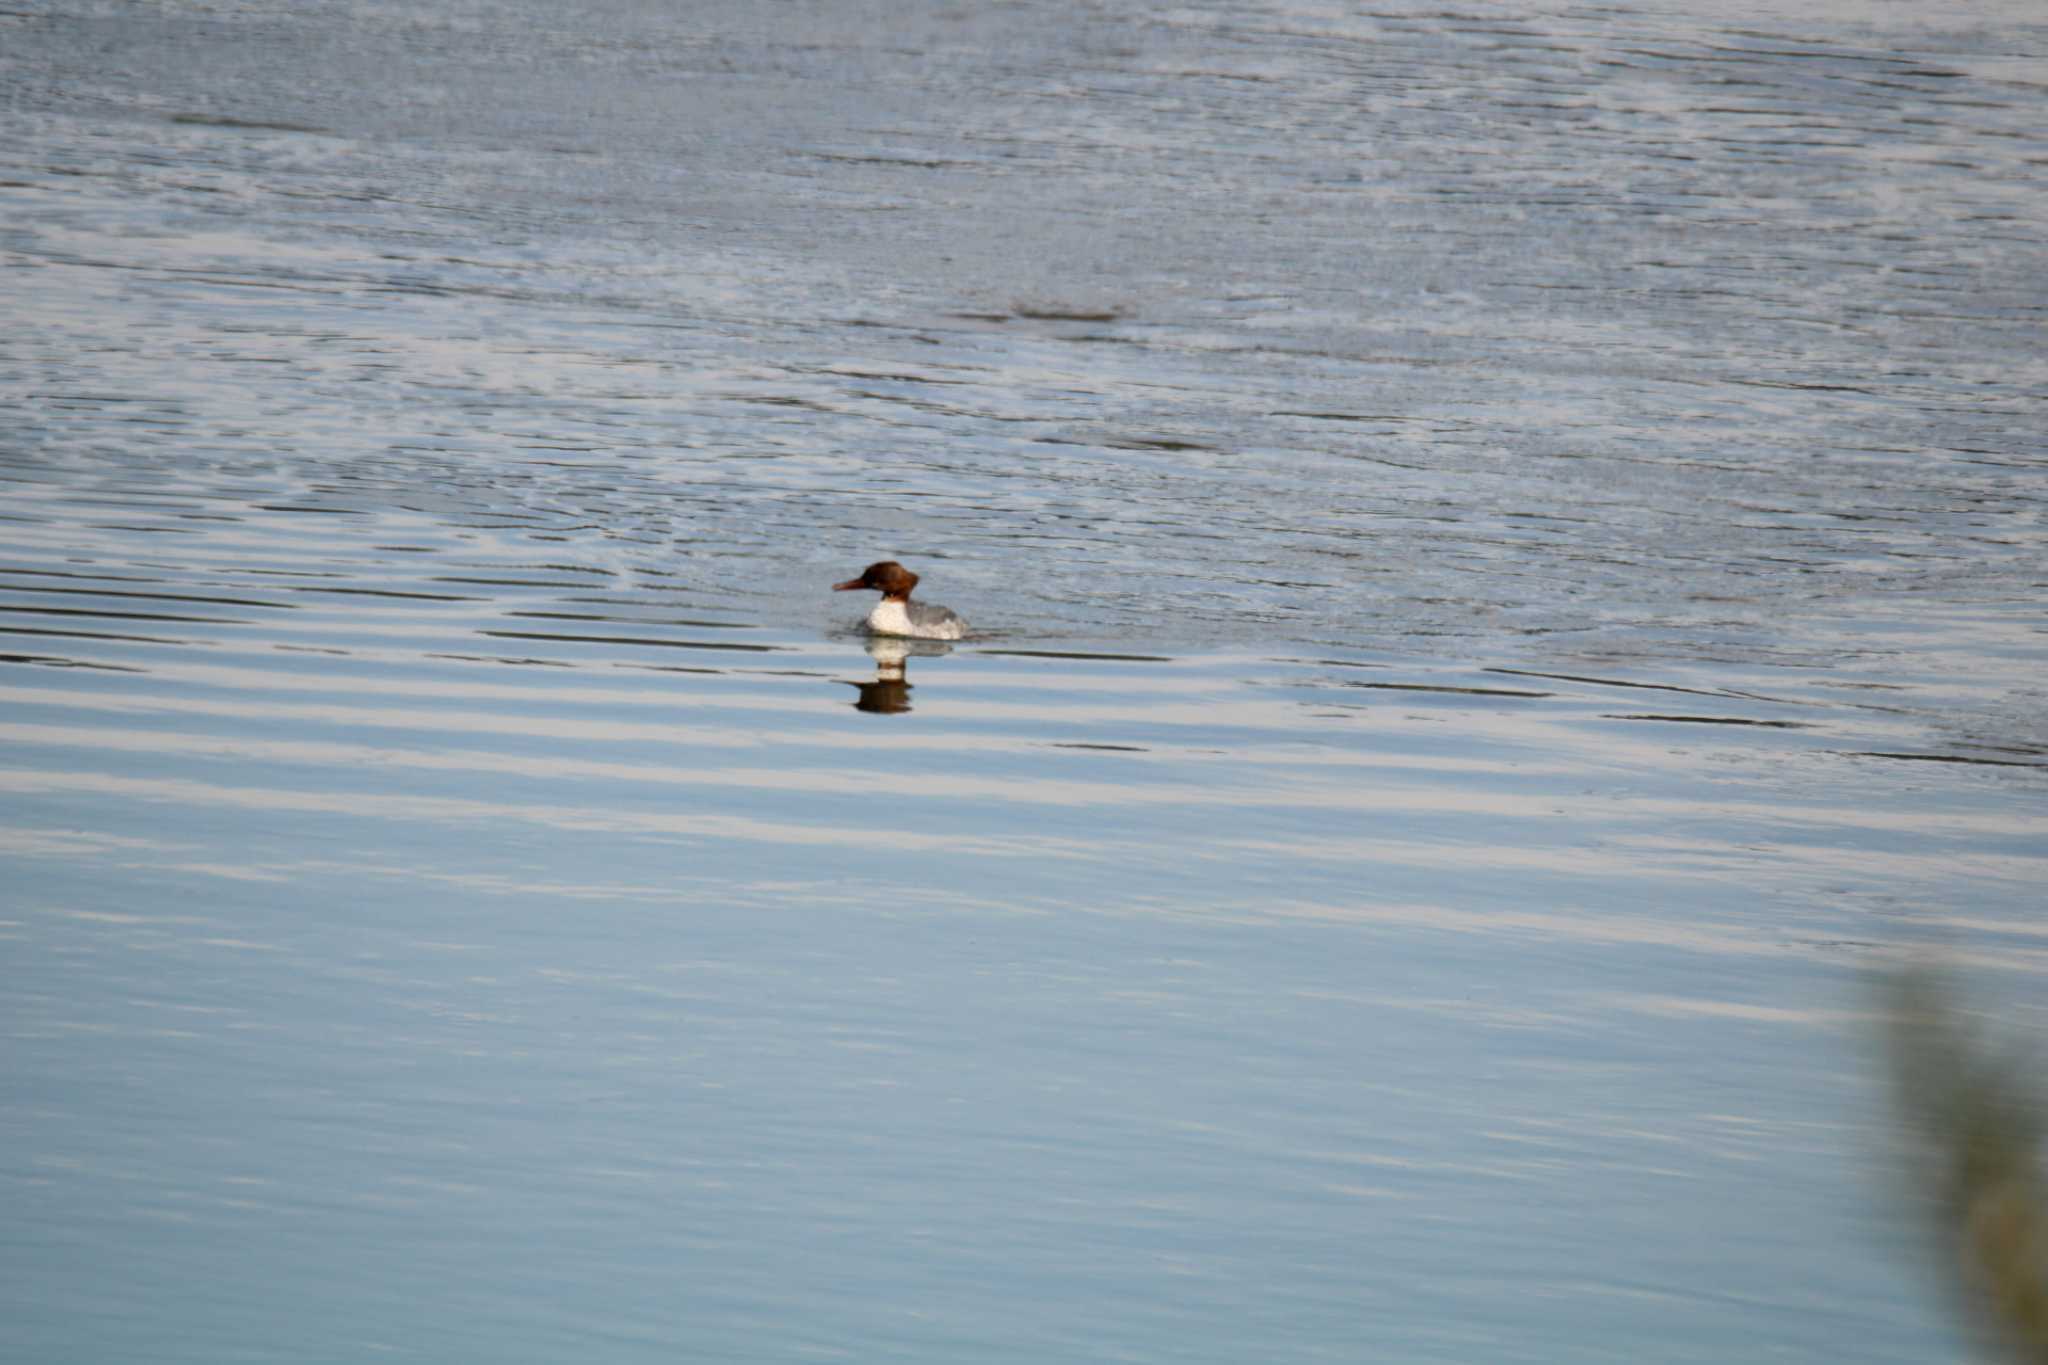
[(889, 693)]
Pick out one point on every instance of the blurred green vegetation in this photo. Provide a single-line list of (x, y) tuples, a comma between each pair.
[(1974, 1118)]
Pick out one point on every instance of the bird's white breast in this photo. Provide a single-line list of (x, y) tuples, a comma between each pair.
[(889, 618), (896, 618)]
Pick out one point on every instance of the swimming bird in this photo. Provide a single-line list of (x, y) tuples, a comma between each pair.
[(896, 614)]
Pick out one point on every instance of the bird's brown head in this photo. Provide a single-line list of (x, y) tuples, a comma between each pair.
[(887, 577)]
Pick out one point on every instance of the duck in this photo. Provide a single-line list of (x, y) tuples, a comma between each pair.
[(896, 614)]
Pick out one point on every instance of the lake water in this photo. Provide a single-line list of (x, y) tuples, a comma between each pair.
[(1506, 550)]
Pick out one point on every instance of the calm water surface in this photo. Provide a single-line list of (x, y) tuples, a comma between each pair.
[(1506, 549)]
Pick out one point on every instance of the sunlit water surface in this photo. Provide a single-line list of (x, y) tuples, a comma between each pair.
[(1506, 556)]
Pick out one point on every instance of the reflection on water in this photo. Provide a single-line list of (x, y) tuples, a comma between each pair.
[(1510, 546), (889, 693)]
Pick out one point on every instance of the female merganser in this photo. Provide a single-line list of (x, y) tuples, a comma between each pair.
[(896, 614)]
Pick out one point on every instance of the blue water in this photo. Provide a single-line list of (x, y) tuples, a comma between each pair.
[(1505, 552)]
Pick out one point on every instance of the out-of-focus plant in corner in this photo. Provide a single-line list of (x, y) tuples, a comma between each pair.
[(1974, 1118)]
